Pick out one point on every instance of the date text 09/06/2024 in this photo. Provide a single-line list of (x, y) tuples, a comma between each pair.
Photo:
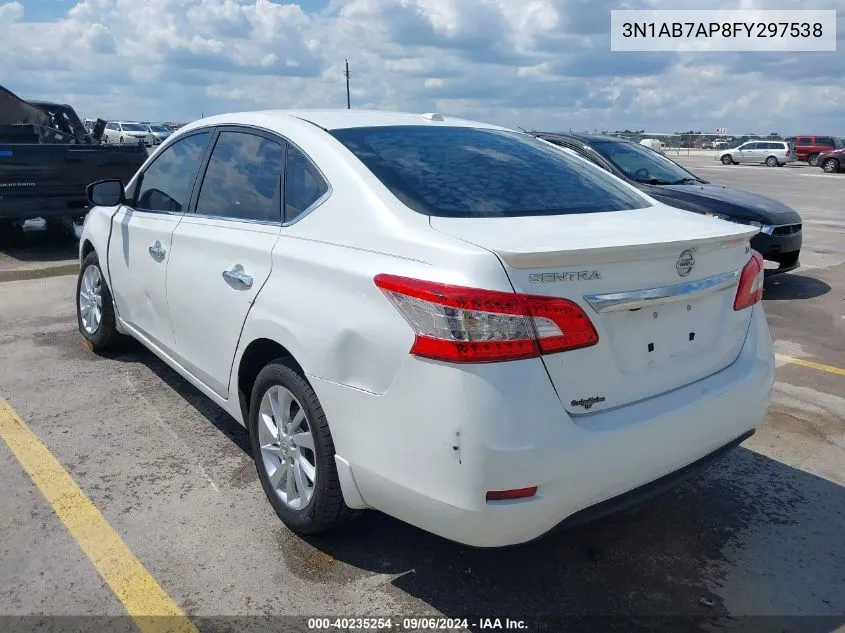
[(415, 624)]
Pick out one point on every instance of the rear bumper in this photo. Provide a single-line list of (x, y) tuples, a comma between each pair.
[(429, 449), (27, 207)]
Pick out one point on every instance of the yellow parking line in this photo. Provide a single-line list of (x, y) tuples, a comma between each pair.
[(144, 599), (808, 363)]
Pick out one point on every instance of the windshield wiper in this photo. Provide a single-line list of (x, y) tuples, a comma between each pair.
[(654, 181), (683, 181)]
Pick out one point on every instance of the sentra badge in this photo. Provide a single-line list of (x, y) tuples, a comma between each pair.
[(550, 278)]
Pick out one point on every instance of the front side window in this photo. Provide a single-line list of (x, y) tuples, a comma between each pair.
[(243, 179), (303, 184), (641, 164), (824, 140), (167, 183), (472, 172)]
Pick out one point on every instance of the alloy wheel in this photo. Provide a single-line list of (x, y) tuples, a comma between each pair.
[(91, 299), (287, 447)]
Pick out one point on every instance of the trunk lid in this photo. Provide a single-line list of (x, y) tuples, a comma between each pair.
[(657, 283)]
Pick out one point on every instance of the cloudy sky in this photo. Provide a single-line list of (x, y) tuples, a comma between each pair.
[(542, 64)]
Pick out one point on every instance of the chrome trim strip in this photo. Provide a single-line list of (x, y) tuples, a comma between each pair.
[(636, 299)]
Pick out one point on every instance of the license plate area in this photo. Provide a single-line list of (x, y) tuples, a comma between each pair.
[(652, 337)]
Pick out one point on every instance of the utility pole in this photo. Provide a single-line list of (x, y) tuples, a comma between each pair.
[(348, 103)]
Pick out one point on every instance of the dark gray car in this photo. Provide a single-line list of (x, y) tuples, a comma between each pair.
[(779, 239)]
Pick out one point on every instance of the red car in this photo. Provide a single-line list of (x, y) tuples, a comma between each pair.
[(809, 147), (833, 161)]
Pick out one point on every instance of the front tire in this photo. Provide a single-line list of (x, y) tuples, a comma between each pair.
[(94, 309), (727, 160), (813, 160), (771, 161), (294, 451), (830, 166)]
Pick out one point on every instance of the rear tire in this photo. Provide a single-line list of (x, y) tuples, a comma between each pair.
[(813, 160), (283, 451), (727, 160), (771, 161), (92, 292), (830, 166)]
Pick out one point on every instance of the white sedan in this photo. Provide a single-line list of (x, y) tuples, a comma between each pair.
[(453, 323)]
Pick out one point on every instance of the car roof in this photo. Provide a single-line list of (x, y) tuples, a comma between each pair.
[(338, 119), (584, 138)]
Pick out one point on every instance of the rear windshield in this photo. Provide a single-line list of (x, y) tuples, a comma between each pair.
[(470, 172)]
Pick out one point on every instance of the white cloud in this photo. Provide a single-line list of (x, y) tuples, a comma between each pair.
[(534, 63)]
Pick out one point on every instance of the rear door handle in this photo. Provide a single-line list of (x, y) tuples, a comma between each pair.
[(238, 275), (157, 251)]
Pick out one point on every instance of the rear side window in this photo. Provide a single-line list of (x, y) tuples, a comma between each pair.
[(804, 140), (243, 179), (303, 184), (470, 172), (167, 183)]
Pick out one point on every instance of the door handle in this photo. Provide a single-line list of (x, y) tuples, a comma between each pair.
[(238, 275), (157, 250)]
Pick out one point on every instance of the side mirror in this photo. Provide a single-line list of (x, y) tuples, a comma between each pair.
[(106, 193)]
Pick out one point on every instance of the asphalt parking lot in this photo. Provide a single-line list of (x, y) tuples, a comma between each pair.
[(760, 534)]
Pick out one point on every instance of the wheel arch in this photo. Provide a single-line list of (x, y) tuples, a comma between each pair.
[(256, 355), (85, 248)]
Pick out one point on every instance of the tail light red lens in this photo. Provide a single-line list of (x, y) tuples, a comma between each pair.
[(459, 324), (750, 289)]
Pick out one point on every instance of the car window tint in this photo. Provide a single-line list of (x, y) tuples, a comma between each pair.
[(805, 141), (167, 183), (472, 172), (243, 178), (824, 140), (303, 184), (640, 163)]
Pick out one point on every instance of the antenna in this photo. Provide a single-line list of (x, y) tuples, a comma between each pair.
[(346, 73)]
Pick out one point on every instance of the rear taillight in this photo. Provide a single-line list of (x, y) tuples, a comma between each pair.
[(750, 289), (468, 325)]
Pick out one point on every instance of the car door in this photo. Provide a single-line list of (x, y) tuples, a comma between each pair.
[(140, 243), (222, 250), (746, 153)]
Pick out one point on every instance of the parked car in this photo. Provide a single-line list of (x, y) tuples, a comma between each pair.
[(808, 148), (832, 162), (780, 235), (47, 158), (128, 132), (487, 356), (771, 153), (159, 131)]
